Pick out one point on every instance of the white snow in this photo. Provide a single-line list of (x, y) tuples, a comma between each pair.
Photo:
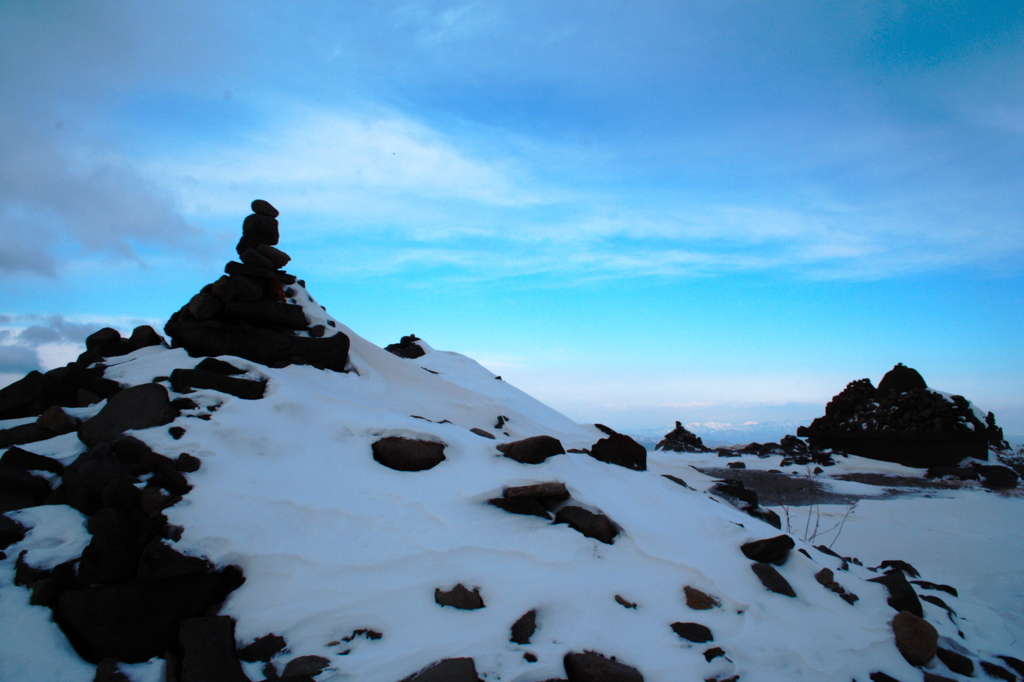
[(331, 541)]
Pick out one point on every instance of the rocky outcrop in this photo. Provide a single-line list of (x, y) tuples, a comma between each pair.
[(619, 449), (408, 347), (250, 314)]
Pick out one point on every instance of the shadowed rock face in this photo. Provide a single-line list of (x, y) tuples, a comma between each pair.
[(138, 407), (448, 670)]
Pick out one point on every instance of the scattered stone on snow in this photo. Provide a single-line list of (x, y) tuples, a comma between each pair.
[(713, 653), (770, 550), (310, 665), (625, 602), (185, 380), (527, 506), (772, 579), (481, 432), (597, 526), (934, 586), (694, 632), (591, 666), (901, 595), (447, 670), (621, 450), (407, 454), (998, 672), (916, 638), (533, 450), (699, 601), (955, 661), (459, 597), (523, 629)]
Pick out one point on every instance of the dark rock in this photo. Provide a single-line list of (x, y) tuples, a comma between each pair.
[(533, 450), (881, 677), (901, 595), (699, 601), (205, 306), (676, 480), (138, 407), (619, 599), (109, 670), (735, 490), (528, 506), (277, 258), (772, 579), (16, 400), (120, 494), (899, 379), (594, 667), (102, 337), (263, 649), (891, 565), (956, 662), (736, 465), (529, 658), (305, 665), (25, 573), (158, 562), (998, 477), (208, 650), (460, 598), (935, 586), (448, 670), (252, 256), (18, 481), (771, 550), (713, 653), (187, 463), (216, 366), (57, 420), (133, 622), (695, 632), (261, 207), (622, 450), (998, 672), (554, 491), (245, 270), (237, 288), (597, 526), (153, 500), (523, 629), (267, 313), (183, 380), (1015, 663), (172, 480), (10, 532), (681, 440), (766, 515), (916, 638), (176, 432), (30, 461), (824, 576), (118, 538), (408, 348), (145, 336), (406, 454), (932, 599), (24, 434), (482, 433), (931, 677)]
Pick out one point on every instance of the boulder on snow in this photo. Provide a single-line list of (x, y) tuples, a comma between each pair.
[(591, 666), (622, 450), (184, 380), (55, 419), (533, 450), (597, 526), (138, 407), (698, 600), (955, 661), (901, 594), (408, 347), (208, 650), (30, 461), (916, 638), (771, 550), (772, 579), (523, 629), (447, 670), (407, 454), (24, 434), (309, 665), (459, 597), (527, 506), (694, 632)]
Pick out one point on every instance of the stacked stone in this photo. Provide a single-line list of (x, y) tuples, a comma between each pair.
[(902, 403), (247, 313), (680, 439)]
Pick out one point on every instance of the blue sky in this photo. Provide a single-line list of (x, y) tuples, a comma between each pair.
[(637, 212)]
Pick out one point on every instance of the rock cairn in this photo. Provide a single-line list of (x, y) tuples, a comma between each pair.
[(680, 439), (252, 312), (868, 421)]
